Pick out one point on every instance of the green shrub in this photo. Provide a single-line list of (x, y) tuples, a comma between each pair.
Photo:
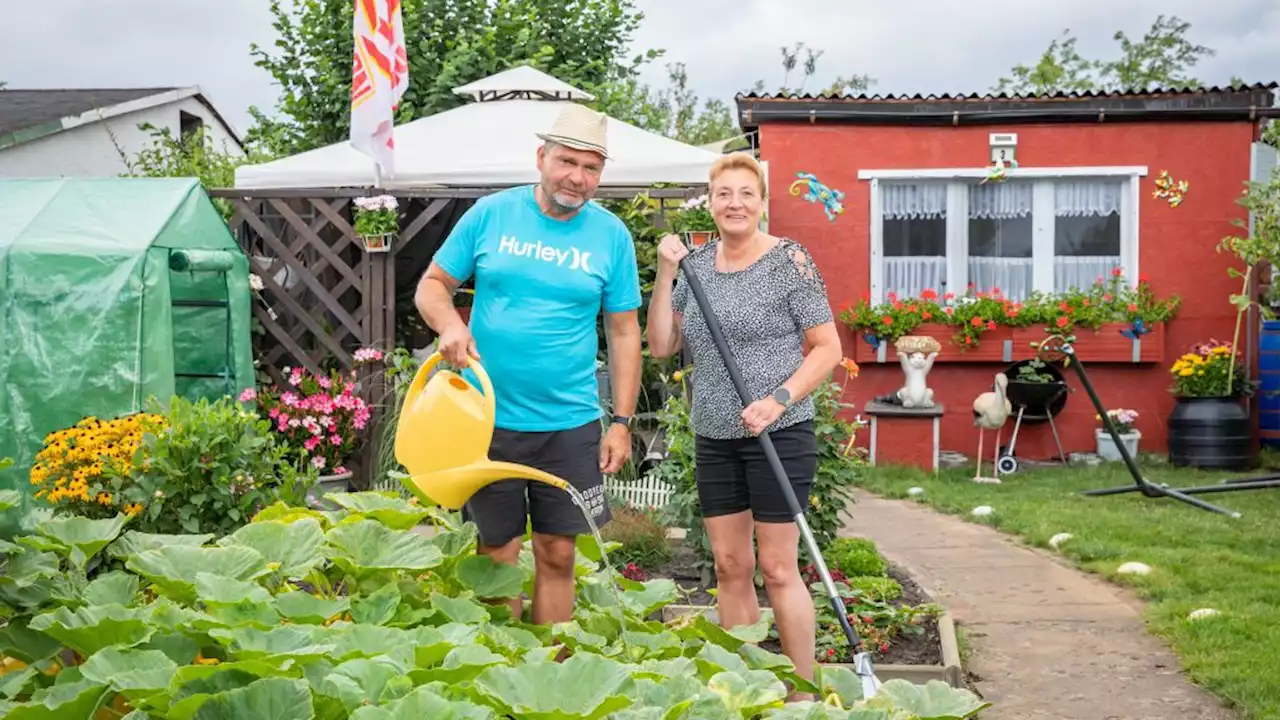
[(856, 557), (643, 538), (883, 589)]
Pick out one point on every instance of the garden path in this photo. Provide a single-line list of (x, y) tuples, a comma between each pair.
[(1048, 641)]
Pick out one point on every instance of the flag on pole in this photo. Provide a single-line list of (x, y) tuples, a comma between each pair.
[(379, 76)]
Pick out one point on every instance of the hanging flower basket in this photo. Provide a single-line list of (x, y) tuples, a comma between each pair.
[(695, 221), (376, 222), (377, 243), (696, 238)]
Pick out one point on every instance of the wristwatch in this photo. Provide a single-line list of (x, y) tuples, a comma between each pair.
[(626, 420), (783, 396)]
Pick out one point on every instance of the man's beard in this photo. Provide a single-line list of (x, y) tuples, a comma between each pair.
[(560, 205)]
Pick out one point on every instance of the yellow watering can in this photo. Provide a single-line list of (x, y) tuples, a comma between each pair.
[(443, 438)]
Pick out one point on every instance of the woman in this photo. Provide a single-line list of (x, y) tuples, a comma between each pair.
[(771, 301)]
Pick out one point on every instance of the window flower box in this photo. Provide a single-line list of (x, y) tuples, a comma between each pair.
[(1107, 344), (1111, 321)]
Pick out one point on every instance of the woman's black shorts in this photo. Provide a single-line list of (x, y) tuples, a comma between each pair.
[(733, 475)]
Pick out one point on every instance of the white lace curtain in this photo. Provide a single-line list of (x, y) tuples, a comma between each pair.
[(1084, 198), (909, 275)]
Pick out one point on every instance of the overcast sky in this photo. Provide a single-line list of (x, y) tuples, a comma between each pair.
[(924, 46)]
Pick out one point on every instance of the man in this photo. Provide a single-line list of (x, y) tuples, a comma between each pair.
[(546, 261)]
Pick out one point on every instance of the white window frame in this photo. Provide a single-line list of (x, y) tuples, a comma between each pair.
[(1042, 214)]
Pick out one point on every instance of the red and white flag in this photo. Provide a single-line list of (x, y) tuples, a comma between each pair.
[(379, 76)]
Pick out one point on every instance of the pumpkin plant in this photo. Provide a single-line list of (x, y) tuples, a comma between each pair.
[(303, 614)]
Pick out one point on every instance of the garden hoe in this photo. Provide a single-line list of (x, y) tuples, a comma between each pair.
[(862, 665)]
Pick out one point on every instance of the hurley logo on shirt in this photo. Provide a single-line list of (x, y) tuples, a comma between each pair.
[(576, 258)]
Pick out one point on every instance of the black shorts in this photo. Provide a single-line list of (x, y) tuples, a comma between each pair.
[(503, 510), (734, 476)]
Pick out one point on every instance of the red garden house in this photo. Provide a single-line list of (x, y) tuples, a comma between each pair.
[(985, 221)]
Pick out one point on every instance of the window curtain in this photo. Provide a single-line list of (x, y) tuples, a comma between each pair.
[(1001, 201), (1085, 198), (908, 276)]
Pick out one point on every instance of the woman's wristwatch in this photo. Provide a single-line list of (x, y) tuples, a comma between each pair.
[(783, 397)]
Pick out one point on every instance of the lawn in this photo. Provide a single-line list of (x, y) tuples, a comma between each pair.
[(1199, 559)]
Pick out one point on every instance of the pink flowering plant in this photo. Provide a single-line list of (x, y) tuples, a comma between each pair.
[(318, 416)]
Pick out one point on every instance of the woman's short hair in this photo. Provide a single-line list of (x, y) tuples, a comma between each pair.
[(739, 161)]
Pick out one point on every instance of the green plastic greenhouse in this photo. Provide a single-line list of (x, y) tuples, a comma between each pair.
[(113, 291)]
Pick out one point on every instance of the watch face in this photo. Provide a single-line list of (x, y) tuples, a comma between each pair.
[(782, 396)]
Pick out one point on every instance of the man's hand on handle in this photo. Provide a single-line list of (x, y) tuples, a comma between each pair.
[(457, 346)]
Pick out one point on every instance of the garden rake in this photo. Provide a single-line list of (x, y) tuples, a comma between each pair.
[(862, 664)]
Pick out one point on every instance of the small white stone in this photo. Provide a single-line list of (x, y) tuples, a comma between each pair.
[(1201, 614), (1058, 539), (982, 511), (1134, 568), (913, 492)]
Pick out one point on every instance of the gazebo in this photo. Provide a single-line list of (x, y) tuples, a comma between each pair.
[(324, 295)]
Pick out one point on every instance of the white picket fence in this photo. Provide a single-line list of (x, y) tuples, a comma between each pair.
[(644, 492)]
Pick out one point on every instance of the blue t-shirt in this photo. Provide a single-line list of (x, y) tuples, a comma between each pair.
[(540, 286)]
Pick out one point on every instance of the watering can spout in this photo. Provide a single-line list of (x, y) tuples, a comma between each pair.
[(452, 487), (443, 436)]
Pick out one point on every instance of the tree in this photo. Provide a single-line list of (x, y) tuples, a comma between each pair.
[(791, 57), (672, 111), (193, 155), (450, 42), (1162, 58)]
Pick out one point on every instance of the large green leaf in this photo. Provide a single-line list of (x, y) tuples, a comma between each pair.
[(85, 536), (173, 568), (934, 700), (423, 703), (92, 628), (822, 711), (748, 694), (250, 643), (387, 508), (840, 680), (584, 687), (368, 546), (273, 697), (488, 578), (460, 665), (377, 608), (365, 681), (134, 542), (135, 673), (115, 587), (291, 548), (303, 607), (63, 701)]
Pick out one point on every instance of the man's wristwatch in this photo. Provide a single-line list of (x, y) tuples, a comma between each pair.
[(783, 397), (625, 420)]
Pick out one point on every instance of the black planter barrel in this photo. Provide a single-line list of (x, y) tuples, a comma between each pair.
[(1210, 432)]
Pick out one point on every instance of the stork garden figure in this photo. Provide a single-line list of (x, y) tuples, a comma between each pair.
[(990, 411)]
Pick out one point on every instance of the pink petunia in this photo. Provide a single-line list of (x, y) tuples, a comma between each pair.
[(249, 395), (318, 461)]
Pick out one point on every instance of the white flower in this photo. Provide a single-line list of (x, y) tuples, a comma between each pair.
[(1202, 613), (387, 202), (1134, 568), (255, 282), (366, 203), (1058, 539)]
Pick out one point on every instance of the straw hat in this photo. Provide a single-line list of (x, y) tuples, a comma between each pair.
[(579, 127)]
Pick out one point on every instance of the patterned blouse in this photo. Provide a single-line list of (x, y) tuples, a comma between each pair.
[(764, 310)]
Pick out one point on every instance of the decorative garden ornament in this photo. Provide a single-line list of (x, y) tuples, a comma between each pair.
[(1170, 190), (916, 354), (990, 411), (816, 192)]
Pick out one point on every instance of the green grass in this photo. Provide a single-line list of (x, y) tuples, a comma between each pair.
[(1198, 559)]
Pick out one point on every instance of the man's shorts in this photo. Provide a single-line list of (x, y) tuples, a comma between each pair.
[(500, 510)]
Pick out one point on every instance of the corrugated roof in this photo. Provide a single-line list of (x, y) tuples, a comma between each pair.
[(990, 97), (23, 109)]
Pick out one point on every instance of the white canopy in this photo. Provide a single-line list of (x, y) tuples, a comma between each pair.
[(485, 143)]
